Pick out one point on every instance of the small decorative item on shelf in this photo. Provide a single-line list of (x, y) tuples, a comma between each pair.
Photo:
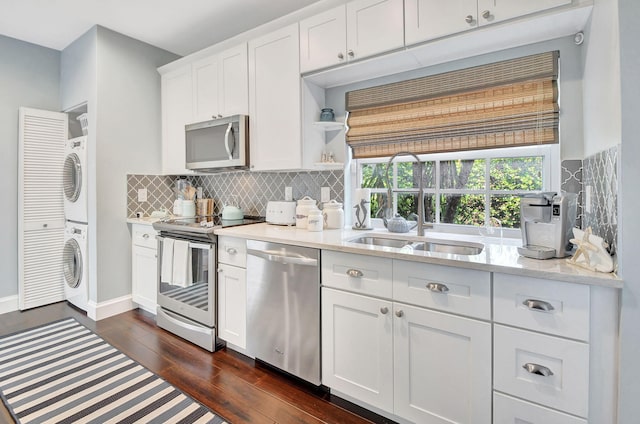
[(326, 115)]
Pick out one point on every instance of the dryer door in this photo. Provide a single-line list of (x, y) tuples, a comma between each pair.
[(72, 263), (72, 177)]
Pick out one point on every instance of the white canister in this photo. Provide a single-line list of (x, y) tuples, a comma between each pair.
[(333, 215), (188, 208), (302, 211), (177, 207), (315, 220)]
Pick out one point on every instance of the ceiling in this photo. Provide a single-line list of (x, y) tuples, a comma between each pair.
[(181, 27)]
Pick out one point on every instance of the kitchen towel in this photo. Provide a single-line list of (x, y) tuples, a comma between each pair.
[(362, 209), (166, 272), (181, 263)]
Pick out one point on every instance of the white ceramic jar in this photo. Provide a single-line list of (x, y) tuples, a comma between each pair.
[(333, 215), (315, 221), (302, 211)]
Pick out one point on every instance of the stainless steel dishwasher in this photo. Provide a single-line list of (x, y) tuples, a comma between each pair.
[(283, 307)]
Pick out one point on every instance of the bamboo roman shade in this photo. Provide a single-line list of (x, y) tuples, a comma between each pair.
[(509, 103)]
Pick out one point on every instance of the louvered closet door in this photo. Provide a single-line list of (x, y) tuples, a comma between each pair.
[(42, 135)]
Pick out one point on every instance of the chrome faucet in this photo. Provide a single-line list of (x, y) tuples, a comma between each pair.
[(420, 227)]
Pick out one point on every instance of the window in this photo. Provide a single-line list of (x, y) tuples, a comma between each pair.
[(474, 189)]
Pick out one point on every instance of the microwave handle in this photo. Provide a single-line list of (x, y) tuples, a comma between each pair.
[(226, 140)]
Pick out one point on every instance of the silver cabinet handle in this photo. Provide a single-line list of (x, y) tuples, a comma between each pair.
[(486, 14), (437, 287), (340, 56), (537, 369), (231, 250), (384, 310), (538, 305), (350, 53), (469, 19), (399, 313), (356, 273), (145, 236)]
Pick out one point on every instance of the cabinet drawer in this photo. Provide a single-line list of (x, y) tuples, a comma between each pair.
[(565, 388), (232, 251), (508, 410), (461, 291), (144, 235), (542, 305), (358, 273)]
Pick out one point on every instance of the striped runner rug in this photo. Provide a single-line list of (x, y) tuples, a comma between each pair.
[(64, 373)]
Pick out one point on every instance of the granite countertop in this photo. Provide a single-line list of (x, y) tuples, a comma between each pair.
[(499, 255)]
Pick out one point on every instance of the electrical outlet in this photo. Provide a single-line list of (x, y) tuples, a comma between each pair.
[(142, 195), (288, 194), (587, 198), (325, 195)]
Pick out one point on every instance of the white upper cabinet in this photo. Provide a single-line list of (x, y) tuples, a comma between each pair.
[(360, 29), (233, 81), (274, 101), (490, 11), (220, 85), (177, 110), (430, 19), (205, 88)]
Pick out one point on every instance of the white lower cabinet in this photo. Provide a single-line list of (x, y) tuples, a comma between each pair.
[(442, 367), (415, 363), (508, 410), (357, 347), (144, 267), (232, 291)]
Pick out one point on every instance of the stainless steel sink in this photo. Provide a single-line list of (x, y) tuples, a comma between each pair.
[(456, 249), (438, 246)]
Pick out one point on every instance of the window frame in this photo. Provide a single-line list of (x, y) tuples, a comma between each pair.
[(550, 180)]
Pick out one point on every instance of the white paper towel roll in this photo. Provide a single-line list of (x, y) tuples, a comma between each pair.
[(362, 209)]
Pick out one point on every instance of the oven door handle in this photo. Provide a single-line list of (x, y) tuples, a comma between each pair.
[(200, 246), (275, 257)]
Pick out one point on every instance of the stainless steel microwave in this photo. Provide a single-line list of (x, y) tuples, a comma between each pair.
[(218, 144)]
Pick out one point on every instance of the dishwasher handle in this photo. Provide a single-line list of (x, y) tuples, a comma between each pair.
[(272, 256)]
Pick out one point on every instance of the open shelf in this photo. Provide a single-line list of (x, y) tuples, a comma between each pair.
[(329, 125)]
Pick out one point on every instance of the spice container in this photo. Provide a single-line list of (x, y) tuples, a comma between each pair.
[(333, 215), (315, 220), (302, 211)]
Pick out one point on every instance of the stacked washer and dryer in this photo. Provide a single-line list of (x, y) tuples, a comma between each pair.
[(75, 253)]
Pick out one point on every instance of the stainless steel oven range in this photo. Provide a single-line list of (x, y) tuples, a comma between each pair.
[(187, 277)]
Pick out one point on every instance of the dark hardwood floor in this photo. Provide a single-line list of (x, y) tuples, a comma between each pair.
[(229, 383)]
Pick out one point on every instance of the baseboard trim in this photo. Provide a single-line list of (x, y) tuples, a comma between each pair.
[(102, 310), (8, 304)]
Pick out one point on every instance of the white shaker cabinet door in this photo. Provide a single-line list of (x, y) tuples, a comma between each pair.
[(373, 27), (177, 110), (205, 89), (232, 305), (429, 19), (357, 347), (323, 40), (274, 101), (442, 367), (233, 80), (490, 11), (144, 279)]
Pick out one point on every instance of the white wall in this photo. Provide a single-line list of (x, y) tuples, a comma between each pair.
[(601, 81), (29, 76), (629, 228), (128, 133)]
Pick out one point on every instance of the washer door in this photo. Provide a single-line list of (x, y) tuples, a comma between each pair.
[(72, 177), (72, 263)]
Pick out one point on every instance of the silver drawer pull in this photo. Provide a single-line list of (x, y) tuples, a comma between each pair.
[(537, 369), (437, 287), (145, 236), (399, 313), (356, 273), (538, 305), (384, 310), (231, 250)]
